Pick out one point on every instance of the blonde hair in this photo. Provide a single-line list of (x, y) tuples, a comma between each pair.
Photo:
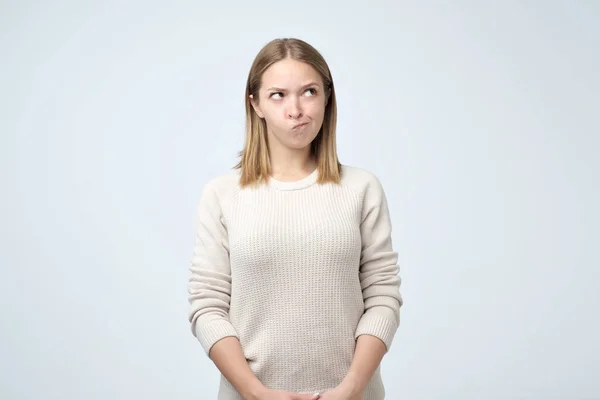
[(254, 161)]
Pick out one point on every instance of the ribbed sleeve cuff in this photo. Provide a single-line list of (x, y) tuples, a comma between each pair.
[(211, 332), (378, 326)]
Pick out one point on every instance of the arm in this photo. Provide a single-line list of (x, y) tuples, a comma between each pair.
[(367, 356), (380, 285), (209, 290), (229, 358)]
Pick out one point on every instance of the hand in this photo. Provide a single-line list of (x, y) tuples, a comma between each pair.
[(341, 393), (269, 394)]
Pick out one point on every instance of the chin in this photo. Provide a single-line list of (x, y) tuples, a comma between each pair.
[(297, 146), (300, 144)]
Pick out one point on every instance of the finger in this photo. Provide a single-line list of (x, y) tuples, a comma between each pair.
[(295, 396), (314, 396)]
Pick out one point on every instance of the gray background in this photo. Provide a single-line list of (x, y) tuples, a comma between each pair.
[(480, 118)]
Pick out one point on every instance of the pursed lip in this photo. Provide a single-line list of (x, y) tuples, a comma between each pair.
[(300, 125)]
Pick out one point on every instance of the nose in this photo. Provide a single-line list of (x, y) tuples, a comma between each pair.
[(294, 110), (295, 115)]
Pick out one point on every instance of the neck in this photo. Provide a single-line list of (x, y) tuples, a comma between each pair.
[(288, 164)]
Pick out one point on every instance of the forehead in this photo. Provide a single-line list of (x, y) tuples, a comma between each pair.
[(289, 73)]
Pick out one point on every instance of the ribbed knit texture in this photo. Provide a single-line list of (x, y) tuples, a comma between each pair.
[(296, 271)]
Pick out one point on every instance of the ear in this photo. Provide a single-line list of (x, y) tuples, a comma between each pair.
[(256, 106)]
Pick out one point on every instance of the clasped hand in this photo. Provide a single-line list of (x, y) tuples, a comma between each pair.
[(338, 393)]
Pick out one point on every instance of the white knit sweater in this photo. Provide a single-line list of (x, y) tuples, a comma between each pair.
[(296, 271)]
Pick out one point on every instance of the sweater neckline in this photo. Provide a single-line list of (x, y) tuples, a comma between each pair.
[(295, 185)]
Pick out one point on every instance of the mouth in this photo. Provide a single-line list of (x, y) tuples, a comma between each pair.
[(299, 126)]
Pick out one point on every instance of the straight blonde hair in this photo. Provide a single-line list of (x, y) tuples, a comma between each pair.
[(255, 164)]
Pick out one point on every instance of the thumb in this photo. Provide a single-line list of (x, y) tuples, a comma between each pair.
[(315, 396)]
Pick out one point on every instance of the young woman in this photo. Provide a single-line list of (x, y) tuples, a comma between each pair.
[(294, 285)]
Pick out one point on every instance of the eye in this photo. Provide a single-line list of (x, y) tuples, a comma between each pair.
[(276, 95), (311, 91)]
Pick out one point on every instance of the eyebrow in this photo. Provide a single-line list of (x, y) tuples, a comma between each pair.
[(276, 89)]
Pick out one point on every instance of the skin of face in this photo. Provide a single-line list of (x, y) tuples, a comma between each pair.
[(292, 101)]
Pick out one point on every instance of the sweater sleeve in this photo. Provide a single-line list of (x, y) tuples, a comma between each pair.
[(209, 286), (380, 282)]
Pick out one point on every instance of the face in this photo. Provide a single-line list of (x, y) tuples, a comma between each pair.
[(292, 102)]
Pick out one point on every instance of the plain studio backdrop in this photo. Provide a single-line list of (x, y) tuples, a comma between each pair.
[(480, 119)]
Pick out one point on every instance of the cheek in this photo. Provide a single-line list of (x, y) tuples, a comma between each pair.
[(276, 121), (272, 115), (315, 109)]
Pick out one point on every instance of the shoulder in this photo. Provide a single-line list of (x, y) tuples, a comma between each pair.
[(360, 180), (228, 180), (222, 188), (366, 185)]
